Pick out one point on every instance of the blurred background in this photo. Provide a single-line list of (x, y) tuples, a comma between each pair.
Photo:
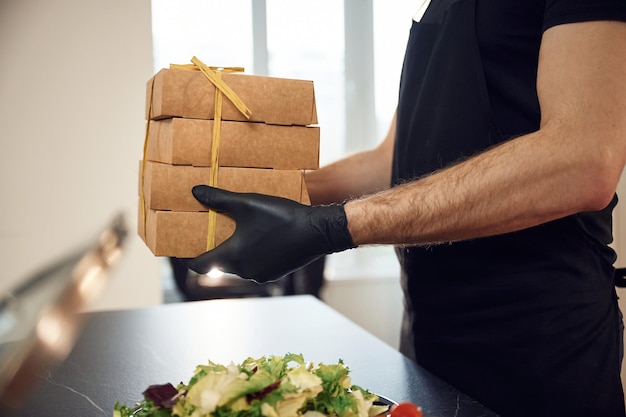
[(72, 94)]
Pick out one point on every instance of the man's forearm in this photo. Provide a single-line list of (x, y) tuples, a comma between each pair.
[(525, 182), (357, 175), (350, 178)]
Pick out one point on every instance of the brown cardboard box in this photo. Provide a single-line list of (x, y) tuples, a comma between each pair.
[(189, 94), (168, 187), (181, 141), (183, 234)]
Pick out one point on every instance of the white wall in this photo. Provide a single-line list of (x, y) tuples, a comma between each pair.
[(373, 303), (72, 93)]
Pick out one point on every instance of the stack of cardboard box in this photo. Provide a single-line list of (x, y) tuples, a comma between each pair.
[(265, 153)]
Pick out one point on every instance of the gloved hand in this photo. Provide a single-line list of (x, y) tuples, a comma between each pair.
[(273, 237)]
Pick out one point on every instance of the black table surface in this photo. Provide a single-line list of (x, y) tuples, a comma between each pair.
[(120, 353)]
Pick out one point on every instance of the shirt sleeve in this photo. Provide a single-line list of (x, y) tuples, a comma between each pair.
[(559, 12)]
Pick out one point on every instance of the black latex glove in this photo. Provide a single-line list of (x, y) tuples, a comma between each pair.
[(273, 237)]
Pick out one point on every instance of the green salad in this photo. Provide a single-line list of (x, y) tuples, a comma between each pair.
[(271, 386)]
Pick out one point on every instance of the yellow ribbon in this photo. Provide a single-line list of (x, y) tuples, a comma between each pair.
[(214, 75), (215, 161)]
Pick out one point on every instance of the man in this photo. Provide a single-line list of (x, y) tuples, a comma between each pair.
[(504, 156)]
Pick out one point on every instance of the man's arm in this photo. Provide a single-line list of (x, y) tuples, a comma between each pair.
[(357, 175), (571, 164)]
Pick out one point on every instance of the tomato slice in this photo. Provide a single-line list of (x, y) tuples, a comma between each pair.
[(406, 409)]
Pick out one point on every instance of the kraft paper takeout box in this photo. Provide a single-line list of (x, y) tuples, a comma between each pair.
[(188, 94), (168, 187), (183, 234), (180, 141), (180, 225)]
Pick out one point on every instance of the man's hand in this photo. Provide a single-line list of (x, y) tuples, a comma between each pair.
[(273, 236)]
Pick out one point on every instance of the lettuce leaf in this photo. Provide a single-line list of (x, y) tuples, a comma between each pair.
[(269, 386)]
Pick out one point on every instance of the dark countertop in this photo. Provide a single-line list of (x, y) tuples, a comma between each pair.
[(120, 353)]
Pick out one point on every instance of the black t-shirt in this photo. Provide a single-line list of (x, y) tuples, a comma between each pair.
[(522, 321)]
